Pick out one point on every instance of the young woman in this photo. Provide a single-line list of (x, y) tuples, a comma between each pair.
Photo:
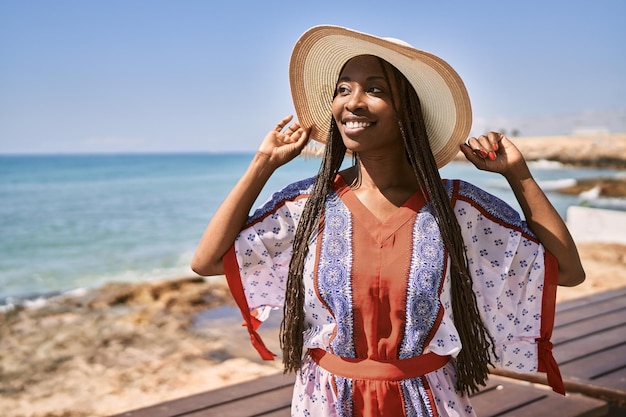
[(398, 288)]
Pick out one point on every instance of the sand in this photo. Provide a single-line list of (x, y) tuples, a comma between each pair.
[(125, 346)]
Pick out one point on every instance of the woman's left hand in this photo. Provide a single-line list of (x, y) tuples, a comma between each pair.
[(493, 152)]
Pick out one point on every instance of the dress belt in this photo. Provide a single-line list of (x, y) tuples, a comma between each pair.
[(381, 370)]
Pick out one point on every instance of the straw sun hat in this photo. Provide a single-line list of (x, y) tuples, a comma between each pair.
[(322, 51)]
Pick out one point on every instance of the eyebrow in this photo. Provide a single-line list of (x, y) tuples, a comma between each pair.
[(374, 77)]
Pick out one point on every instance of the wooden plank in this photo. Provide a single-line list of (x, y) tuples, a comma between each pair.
[(255, 387), (254, 405), (504, 398), (590, 309), (587, 345), (589, 326), (599, 297), (614, 396), (283, 412), (616, 380), (555, 404), (180, 407), (594, 366), (514, 398)]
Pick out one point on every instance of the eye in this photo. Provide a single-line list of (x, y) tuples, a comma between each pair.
[(343, 89), (378, 90)]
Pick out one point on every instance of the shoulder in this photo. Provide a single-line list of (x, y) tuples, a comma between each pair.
[(296, 191), (464, 194)]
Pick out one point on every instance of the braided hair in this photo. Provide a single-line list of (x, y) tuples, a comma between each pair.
[(474, 357)]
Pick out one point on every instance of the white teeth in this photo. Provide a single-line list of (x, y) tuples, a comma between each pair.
[(355, 125)]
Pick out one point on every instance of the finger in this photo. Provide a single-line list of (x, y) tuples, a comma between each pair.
[(494, 139), (303, 139), (293, 128), (476, 147), (280, 125), (473, 156), (291, 137), (488, 145)]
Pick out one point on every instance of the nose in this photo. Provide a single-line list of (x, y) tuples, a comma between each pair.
[(355, 100)]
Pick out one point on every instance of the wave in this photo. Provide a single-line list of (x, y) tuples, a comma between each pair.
[(552, 185), (546, 185), (546, 164)]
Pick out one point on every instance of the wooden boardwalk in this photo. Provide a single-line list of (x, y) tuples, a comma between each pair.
[(270, 396), (589, 345)]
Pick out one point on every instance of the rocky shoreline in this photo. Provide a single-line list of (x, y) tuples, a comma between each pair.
[(607, 150), (125, 346), (601, 151), (116, 348)]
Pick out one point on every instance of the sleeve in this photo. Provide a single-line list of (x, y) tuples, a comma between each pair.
[(257, 265), (514, 280)]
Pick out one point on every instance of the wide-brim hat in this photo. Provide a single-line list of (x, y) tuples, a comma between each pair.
[(320, 54)]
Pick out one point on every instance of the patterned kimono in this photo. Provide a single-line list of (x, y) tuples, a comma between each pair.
[(379, 331)]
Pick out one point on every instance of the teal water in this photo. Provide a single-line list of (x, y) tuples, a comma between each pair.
[(80, 221)]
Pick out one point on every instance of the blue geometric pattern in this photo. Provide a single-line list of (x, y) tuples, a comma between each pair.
[(344, 396), (334, 278), (424, 281), (492, 205), (417, 406), (290, 192)]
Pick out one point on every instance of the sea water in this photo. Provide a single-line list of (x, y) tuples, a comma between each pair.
[(80, 221)]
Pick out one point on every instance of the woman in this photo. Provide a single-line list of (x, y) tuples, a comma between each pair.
[(398, 288)]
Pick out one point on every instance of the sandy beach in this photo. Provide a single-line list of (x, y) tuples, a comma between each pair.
[(125, 346)]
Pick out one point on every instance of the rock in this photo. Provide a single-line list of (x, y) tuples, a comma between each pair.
[(605, 187)]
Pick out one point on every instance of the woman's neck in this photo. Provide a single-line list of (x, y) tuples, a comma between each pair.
[(382, 174)]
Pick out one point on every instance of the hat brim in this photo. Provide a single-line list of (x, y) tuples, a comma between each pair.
[(322, 51)]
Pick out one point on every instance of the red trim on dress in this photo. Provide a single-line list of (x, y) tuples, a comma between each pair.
[(233, 278), (379, 370), (546, 361)]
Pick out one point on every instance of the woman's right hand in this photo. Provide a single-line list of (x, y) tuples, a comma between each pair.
[(277, 149), (281, 146)]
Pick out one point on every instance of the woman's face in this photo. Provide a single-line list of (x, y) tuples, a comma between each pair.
[(363, 108)]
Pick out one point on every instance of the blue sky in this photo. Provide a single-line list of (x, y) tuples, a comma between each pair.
[(164, 76)]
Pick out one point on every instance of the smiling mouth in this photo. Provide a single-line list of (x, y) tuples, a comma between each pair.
[(357, 125)]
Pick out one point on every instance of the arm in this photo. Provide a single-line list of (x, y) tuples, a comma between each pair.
[(277, 149), (496, 153)]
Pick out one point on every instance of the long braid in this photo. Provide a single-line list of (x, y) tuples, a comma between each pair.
[(474, 358), (292, 325)]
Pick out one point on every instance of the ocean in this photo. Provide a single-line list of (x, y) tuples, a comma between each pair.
[(70, 222)]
